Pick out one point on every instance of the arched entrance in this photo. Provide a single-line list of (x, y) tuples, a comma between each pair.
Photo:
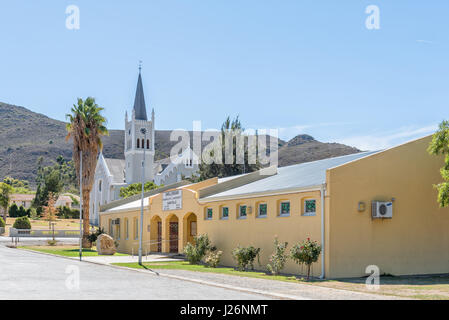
[(190, 228), (156, 234), (173, 232)]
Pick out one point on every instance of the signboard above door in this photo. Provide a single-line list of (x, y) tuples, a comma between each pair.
[(172, 200)]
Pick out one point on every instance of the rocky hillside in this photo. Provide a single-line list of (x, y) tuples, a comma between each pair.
[(26, 135)]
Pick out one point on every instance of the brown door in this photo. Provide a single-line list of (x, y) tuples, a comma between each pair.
[(159, 236), (173, 237)]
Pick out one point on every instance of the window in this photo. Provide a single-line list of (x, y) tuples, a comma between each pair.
[(192, 228), (309, 207), (111, 230), (138, 143), (263, 208), (148, 143), (242, 211), (209, 213), (284, 208), (224, 212), (99, 186), (126, 229), (136, 229), (117, 230), (143, 144)]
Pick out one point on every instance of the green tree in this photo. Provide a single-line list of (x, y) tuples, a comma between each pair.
[(235, 129), (22, 223), (136, 188), (440, 146), (5, 191), (86, 127), (13, 211)]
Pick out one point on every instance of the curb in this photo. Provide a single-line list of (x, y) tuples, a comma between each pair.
[(208, 283)]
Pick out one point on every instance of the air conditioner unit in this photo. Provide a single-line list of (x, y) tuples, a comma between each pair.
[(382, 210)]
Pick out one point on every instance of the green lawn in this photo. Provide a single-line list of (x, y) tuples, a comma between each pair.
[(184, 265), (66, 251)]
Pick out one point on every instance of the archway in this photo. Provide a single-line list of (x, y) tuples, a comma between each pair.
[(156, 234), (190, 228)]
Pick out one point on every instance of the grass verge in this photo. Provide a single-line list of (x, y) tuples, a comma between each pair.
[(65, 251)]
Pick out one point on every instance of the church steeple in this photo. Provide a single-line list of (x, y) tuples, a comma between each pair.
[(139, 101)]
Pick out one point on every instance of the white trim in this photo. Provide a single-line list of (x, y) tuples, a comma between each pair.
[(260, 194)]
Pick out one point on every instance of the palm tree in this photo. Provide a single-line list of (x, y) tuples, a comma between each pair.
[(5, 190), (86, 127)]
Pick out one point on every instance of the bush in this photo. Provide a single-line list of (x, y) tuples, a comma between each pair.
[(2, 223), (22, 212), (93, 236), (278, 258), (212, 258), (245, 257), (306, 252), (32, 213), (22, 223), (68, 213), (13, 211), (195, 253)]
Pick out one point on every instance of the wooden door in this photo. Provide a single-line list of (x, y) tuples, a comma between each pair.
[(173, 237)]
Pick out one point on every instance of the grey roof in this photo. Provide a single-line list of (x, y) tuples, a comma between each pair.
[(117, 169), (139, 101), (302, 175)]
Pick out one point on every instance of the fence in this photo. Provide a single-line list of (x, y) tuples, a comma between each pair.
[(13, 232)]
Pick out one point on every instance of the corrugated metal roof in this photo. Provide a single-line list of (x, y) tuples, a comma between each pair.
[(302, 175), (131, 205)]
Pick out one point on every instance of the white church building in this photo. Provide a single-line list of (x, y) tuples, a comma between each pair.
[(113, 174)]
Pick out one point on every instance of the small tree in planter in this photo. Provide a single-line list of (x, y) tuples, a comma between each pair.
[(278, 258), (306, 252)]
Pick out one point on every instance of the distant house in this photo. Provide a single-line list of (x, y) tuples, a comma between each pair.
[(25, 200)]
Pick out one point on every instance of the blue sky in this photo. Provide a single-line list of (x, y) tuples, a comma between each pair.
[(300, 66)]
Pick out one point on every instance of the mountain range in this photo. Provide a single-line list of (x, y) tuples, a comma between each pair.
[(25, 136)]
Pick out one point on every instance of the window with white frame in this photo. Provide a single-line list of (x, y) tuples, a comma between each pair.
[(209, 213), (136, 229), (126, 228), (284, 208), (262, 210), (242, 211), (224, 212), (309, 207)]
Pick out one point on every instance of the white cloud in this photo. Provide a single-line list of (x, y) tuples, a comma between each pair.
[(383, 140)]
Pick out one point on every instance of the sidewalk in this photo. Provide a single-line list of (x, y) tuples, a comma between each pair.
[(278, 289)]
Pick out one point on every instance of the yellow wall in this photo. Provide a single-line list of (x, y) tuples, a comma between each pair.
[(415, 241), (227, 234)]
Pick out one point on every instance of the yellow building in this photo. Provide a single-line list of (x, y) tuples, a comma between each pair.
[(332, 201)]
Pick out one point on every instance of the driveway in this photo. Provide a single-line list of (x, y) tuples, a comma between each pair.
[(28, 275)]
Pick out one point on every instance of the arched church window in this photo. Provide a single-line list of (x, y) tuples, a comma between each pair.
[(143, 144), (99, 186), (148, 143), (138, 143)]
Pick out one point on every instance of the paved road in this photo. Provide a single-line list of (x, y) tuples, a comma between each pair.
[(28, 275)]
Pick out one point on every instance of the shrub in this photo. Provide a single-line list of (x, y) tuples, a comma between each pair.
[(245, 257), (278, 258), (306, 252), (22, 212), (32, 213), (195, 253), (13, 211), (51, 242), (22, 223), (212, 258), (94, 235), (2, 223), (67, 213)]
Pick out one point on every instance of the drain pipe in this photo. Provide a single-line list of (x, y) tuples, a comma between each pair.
[(323, 190)]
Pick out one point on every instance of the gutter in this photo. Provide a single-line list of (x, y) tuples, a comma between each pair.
[(323, 190)]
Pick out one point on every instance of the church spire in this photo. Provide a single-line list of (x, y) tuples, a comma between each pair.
[(139, 101)]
